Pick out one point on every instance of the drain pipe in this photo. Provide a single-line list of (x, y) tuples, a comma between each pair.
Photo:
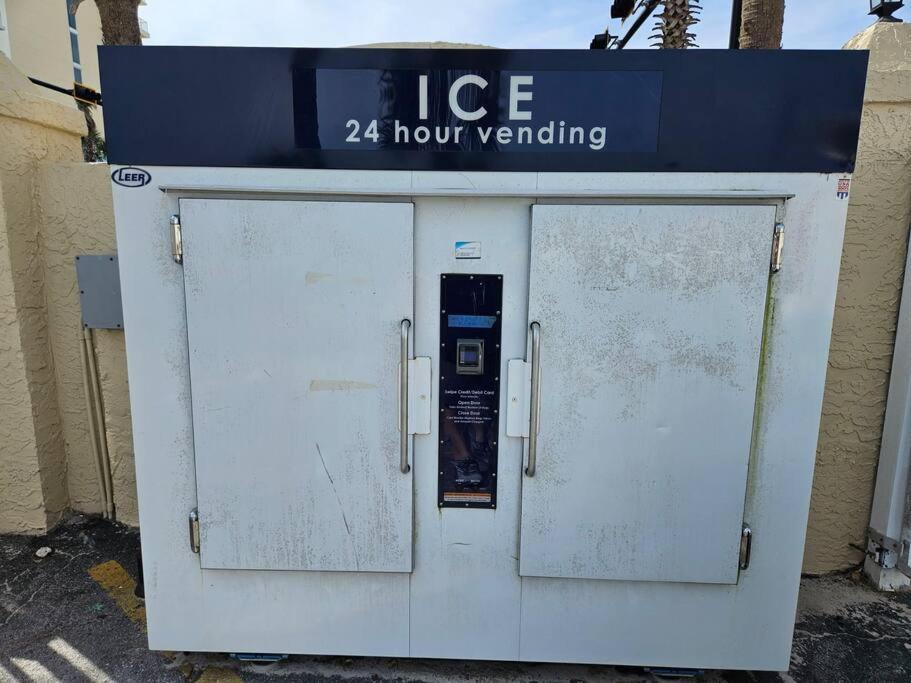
[(96, 451), (96, 422)]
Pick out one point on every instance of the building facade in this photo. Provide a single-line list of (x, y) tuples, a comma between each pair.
[(46, 40)]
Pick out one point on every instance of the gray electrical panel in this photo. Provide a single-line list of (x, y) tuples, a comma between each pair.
[(98, 277)]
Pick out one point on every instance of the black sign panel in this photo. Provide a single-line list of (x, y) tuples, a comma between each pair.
[(512, 110), (470, 315), (455, 110)]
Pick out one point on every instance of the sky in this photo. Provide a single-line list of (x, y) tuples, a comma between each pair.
[(809, 24)]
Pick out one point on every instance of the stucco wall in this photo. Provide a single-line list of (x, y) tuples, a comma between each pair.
[(869, 291), (77, 217), (112, 371), (53, 207), (77, 214), (33, 129), (21, 496)]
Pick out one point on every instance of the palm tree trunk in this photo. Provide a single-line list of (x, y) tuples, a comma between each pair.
[(761, 24), (119, 26), (90, 143), (674, 24), (119, 21)]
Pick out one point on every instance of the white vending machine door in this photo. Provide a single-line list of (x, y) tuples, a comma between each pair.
[(651, 321), (294, 313)]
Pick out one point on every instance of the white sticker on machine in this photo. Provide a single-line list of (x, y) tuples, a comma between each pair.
[(468, 250)]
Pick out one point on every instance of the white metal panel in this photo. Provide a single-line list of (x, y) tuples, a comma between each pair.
[(215, 610), (420, 392), (293, 315), (465, 591), (890, 513), (747, 625), (651, 320), (518, 396)]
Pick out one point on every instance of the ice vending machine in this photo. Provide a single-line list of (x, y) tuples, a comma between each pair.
[(478, 354)]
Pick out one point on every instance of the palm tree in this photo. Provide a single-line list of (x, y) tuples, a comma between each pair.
[(761, 24), (673, 27)]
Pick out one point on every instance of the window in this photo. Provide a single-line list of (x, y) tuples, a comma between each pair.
[(74, 42), (4, 30), (74, 46)]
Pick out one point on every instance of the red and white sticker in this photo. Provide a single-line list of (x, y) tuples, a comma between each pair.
[(844, 187)]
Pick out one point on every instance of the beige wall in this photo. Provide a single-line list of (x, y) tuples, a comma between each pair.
[(52, 208), (40, 43), (88, 23), (33, 130), (77, 216), (112, 371), (869, 291)]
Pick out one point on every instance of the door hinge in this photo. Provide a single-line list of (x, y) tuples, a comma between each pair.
[(194, 531), (746, 547), (777, 246), (176, 239), (884, 551)]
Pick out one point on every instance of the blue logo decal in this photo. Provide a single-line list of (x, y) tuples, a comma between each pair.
[(131, 177)]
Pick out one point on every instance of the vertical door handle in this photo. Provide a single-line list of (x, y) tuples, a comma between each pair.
[(403, 399), (535, 399)]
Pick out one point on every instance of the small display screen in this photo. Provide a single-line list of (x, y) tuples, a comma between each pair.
[(469, 356)]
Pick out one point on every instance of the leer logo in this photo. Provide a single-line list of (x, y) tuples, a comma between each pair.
[(131, 177)]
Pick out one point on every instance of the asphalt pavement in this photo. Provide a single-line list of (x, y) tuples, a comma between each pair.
[(73, 615)]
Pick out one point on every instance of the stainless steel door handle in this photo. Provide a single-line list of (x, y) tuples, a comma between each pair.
[(535, 399), (403, 400)]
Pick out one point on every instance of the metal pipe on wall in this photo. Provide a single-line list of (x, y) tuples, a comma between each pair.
[(93, 435), (97, 417)]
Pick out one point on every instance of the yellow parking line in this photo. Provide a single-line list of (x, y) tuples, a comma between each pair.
[(215, 674), (114, 579), (118, 584)]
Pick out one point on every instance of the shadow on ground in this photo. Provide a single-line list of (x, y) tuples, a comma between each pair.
[(72, 615)]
